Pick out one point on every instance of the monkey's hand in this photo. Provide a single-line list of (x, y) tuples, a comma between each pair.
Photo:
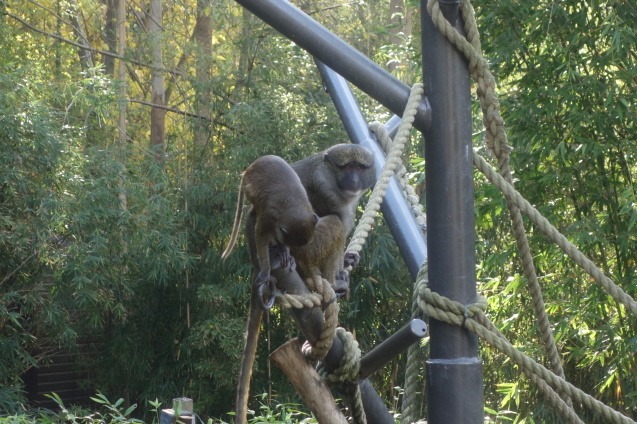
[(351, 259), (280, 258)]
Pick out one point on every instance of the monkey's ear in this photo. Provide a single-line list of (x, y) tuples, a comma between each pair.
[(330, 159)]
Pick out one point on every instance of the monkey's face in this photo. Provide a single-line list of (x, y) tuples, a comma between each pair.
[(354, 178), (297, 232), (353, 168)]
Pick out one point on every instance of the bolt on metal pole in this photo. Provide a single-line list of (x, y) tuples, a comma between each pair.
[(454, 371)]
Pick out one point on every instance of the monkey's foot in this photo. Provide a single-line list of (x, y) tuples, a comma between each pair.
[(351, 259), (281, 258), (262, 280), (341, 284)]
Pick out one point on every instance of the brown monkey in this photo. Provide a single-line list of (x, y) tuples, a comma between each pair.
[(334, 181), (283, 214)]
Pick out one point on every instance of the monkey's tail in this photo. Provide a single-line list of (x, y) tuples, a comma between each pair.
[(255, 316), (237, 223)]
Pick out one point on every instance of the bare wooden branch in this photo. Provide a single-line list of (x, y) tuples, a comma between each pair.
[(82, 46), (168, 108), (312, 388)]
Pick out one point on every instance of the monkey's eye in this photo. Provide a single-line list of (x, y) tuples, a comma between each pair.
[(283, 230)]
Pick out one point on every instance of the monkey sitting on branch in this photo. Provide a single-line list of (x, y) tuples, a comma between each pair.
[(334, 180), (283, 215)]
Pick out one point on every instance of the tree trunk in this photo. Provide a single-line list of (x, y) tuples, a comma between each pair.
[(246, 57), (157, 114), (72, 10), (109, 35), (203, 90), (396, 18), (312, 388), (121, 75)]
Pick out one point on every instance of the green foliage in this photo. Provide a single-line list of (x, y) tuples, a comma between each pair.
[(30, 153), (108, 413), (567, 79), (274, 412), (112, 412)]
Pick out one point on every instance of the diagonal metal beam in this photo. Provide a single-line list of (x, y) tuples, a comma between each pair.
[(396, 210), (338, 55)]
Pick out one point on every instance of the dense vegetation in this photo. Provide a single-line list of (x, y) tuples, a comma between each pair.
[(111, 229)]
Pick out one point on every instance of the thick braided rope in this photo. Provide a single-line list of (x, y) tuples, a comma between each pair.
[(496, 142), (493, 122), (492, 133), (346, 375), (392, 163), (558, 238), (443, 309), (299, 301), (564, 408), (323, 294), (415, 356), (401, 175), (323, 345)]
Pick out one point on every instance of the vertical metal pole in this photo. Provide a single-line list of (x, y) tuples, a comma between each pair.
[(454, 371)]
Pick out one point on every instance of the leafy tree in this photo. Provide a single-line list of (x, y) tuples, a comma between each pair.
[(567, 77)]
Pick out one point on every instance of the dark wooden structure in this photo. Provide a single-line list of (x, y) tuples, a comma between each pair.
[(64, 372)]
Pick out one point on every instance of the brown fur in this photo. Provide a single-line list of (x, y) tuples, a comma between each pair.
[(283, 212), (334, 181), (282, 217)]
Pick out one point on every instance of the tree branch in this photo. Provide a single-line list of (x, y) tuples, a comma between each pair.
[(16, 270), (182, 112), (73, 43), (169, 109)]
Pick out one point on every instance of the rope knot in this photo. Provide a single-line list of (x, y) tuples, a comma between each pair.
[(322, 296), (445, 309), (346, 375)]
